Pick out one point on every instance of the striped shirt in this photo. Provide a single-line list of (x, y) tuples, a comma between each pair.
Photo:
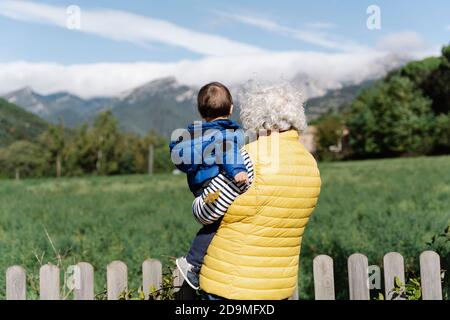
[(220, 193)]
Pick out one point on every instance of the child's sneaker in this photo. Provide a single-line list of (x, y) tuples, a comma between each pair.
[(189, 272)]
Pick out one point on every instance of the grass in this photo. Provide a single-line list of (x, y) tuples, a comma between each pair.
[(371, 207)]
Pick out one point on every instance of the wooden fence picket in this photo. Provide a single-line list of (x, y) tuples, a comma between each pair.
[(151, 276), (295, 294), (16, 283), (49, 282), (323, 278), (358, 279), (84, 289), (430, 275), (394, 266), (116, 280)]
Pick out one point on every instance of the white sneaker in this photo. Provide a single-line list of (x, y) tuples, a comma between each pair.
[(188, 273)]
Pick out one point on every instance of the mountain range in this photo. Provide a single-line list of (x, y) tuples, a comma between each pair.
[(334, 100), (61, 105), (164, 104), (161, 105)]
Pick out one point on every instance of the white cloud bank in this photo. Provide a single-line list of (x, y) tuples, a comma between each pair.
[(328, 71), (225, 60), (406, 41)]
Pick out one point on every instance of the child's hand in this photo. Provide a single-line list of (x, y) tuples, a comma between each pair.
[(241, 177)]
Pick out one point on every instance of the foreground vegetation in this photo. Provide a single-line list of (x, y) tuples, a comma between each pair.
[(370, 207)]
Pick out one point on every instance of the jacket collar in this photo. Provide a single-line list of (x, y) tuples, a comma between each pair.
[(221, 124)]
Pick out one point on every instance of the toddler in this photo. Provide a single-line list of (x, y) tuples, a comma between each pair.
[(216, 167)]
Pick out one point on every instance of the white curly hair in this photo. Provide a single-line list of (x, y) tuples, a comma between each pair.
[(272, 107)]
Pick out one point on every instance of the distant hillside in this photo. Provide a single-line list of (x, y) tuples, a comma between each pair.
[(17, 124), (334, 100), (65, 106), (161, 105), (164, 105)]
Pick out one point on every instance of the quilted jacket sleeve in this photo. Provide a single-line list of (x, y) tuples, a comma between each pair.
[(233, 162), (183, 155)]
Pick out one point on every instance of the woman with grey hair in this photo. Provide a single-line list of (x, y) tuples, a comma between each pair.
[(255, 252), (273, 107)]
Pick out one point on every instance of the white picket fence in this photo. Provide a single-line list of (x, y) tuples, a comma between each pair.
[(117, 279)]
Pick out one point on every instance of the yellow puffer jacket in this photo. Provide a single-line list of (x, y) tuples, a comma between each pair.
[(255, 253)]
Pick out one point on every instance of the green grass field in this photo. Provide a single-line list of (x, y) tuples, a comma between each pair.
[(370, 207)]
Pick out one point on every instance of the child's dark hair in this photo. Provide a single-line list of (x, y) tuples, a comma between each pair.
[(214, 100)]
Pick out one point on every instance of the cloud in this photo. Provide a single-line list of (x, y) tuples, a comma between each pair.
[(323, 70), (128, 27), (314, 37), (403, 42), (223, 59)]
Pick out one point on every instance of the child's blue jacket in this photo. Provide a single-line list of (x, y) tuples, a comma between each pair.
[(207, 149)]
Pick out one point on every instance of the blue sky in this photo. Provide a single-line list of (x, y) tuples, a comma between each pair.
[(166, 34)]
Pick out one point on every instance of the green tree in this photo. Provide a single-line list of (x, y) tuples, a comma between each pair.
[(442, 133), (101, 149), (391, 118), (162, 161), (418, 71), (81, 154), (54, 140), (330, 129), (105, 135), (127, 153), (437, 86), (23, 159)]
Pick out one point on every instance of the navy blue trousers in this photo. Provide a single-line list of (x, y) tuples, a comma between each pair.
[(201, 243)]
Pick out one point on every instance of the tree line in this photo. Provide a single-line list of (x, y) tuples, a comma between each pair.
[(407, 113), (99, 149)]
